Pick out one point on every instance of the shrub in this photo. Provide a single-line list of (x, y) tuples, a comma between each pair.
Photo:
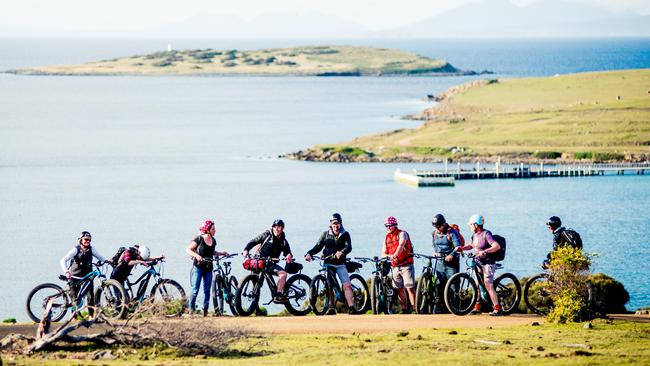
[(568, 270), (608, 296), (547, 154), (10, 320), (569, 306), (584, 155), (604, 156)]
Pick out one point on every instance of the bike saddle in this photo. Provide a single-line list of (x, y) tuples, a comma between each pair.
[(499, 265), (63, 278)]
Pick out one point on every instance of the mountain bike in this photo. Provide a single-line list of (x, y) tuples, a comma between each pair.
[(168, 295), (325, 289), (429, 291), (296, 288), (536, 296), (382, 293), (462, 290), (224, 285), (109, 297)]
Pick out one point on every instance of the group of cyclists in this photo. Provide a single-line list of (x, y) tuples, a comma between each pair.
[(335, 244)]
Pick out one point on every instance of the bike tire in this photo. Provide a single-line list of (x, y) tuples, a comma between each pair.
[(38, 298), (248, 295), (297, 292), (218, 288), (508, 291), (537, 299), (423, 298), (319, 295), (360, 293), (232, 291), (461, 294), (171, 296), (378, 304), (111, 299)]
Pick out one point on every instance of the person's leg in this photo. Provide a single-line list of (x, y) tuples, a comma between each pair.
[(282, 279), (344, 279), (196, 283), (207, 285), (488, 278), (398, 283), (408, 274)]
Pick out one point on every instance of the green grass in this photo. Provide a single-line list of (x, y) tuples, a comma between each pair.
[(571, 115)]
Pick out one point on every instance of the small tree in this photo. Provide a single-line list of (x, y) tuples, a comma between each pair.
[(568, 285)]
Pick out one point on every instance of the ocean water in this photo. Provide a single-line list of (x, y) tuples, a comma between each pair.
[(146, 159)]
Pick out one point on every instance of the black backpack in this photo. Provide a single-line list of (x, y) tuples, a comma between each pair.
[(571, 238), (118, 254), (501, 253)]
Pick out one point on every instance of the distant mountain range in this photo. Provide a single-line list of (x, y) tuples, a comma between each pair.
[(481, 19)]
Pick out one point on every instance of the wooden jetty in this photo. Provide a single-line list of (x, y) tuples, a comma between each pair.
[(448, 175)]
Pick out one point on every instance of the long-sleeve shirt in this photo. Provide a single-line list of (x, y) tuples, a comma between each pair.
[(330, 244), (270, 245), (66, 261)]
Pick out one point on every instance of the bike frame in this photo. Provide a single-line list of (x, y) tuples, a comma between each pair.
[(84, 284), (142, 282)]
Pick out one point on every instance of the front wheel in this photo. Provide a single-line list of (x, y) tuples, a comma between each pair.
[(536, 295), (39, 297), (508, 292), (424, 295), (232, 291), (297, 291), (218, 288), (319, 295), (169, 296), (111, 300), (461, 294), (247, 295), (360, 293), (377, 297)]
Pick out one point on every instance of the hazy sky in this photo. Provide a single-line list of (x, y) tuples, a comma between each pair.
[(80, 15)]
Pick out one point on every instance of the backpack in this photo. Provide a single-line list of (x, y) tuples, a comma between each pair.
[(118, 255), (499, 255), (572, 238), (457, 229)]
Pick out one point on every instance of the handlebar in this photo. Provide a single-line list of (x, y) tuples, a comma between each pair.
[(435, 256), (373, 259), (322, 258)]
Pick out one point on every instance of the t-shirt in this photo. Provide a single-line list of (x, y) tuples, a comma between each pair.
[(482, 241)]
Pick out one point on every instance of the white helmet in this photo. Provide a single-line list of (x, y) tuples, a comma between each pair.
[(144, 252)]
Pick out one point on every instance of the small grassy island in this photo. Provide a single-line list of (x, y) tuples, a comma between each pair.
[(599, 116), (299, 61)]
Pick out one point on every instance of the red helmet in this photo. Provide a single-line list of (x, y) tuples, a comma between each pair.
[(206, 226), (390, 220)]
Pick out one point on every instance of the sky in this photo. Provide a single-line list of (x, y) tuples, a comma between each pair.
[(120, 15)]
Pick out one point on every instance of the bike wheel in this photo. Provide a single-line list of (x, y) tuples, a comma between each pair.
[(218, 288), (423, 296), (360, 293), (247, 296), (38, 298), (537, 298), (170, 296), (232, 291), (297, 291), (111, 300), (377, 297), (319, 295), (508, 292), (461, 294)]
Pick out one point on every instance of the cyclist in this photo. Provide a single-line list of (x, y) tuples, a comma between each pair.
[(483, 244), (130, 258), (202, 247), (445, 240), (272, 243), (78, 262), (336, 242), (561, 237), (397, 245)]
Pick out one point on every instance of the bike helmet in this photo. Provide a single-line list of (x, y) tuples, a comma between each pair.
[(144, 252), (438, 220), (277, 222), (554, 222), (390, 220), (336, 217), (207, 225), (476, 219)]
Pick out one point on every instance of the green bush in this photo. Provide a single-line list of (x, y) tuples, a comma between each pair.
[(568, 270), (608, 296), (584, 155), (605, 156), (10, 320), (547, 154), (569, 306)]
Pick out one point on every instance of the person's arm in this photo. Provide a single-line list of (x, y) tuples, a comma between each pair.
[(403, 236), (317, 247), (256, 241), (455, 241), (97, 255), (383, 250), (287, 251), (191, 250), (348, 244), (66, 260), (494, 245)]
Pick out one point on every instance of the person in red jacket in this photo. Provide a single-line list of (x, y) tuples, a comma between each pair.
[(397, 245)]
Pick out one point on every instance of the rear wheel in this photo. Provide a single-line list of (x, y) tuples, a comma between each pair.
[(218, 288), (247, 295), (508, 291), (319, 295), (169, 297), (111, 300), (360, 293), (377, 297), (424, 295), (38, 298), (233, 285), (536, 296), (461, 294), (297, 291)]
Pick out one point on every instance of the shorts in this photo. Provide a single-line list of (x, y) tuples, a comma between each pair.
[(276, 269), (341, 272), (404, 276), (488, 272)]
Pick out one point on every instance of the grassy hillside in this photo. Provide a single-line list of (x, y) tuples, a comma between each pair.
[(324, 60), (600, 116)]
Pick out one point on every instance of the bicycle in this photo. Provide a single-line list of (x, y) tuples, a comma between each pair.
[(325, 289), (296, 288), (382, 293), (166, 293), (428, 294), (462, 290), (224, 285), (109, 297), (536, 297)]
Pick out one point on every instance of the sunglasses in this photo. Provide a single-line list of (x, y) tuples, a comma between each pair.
[(390, 225), (335, 223), (86, 239)]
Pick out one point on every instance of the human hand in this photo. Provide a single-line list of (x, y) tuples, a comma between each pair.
[(289, 258), (338, 254), (245, 253), (68, 275), (449, 258), (308, 257)]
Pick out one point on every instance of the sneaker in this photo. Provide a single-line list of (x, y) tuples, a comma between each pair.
[(352, 311), (205, 312), (496, 313), (331, 311), (280, 299), (475, 312)]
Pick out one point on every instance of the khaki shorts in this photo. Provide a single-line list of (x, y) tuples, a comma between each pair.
[(404, 276), (488, 272)]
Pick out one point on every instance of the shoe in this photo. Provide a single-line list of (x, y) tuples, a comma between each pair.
[(475, 312), (280, 299), (496, 313), (352, 311), (205, 312), (331, 311)]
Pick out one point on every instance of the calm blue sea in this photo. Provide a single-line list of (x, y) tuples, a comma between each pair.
[(146, 159)]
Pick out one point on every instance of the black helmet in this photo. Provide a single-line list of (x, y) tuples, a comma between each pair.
[(336, 217), (554, 222), (278, 222), (438, 220)]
